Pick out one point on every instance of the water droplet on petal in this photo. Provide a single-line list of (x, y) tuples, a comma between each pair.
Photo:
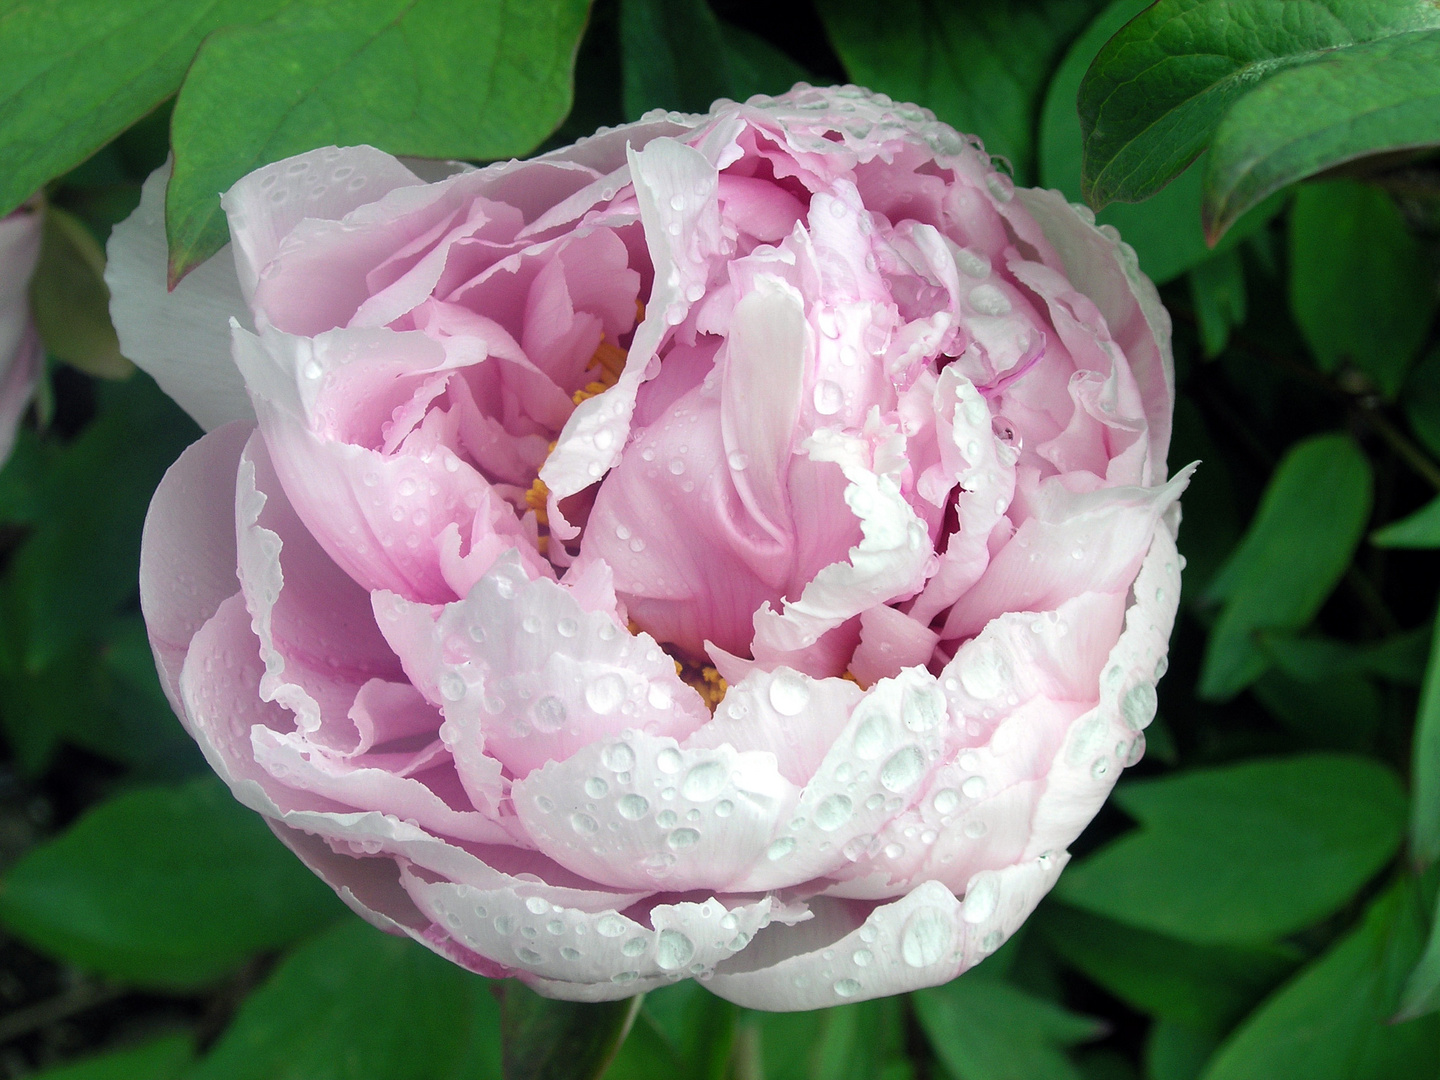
[(673, 950), (611, 926), (681, 839), (903, 769), (604, 696), (945, 800), (780, 848), (833, 812), (829, 397), (705, 781), (926, 938), (789, 693), (584, 824), (847, 988)]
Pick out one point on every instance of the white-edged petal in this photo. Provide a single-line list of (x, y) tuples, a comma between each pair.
[(181, 338)]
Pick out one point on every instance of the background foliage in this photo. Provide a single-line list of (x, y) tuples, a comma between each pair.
[(1259, 898)]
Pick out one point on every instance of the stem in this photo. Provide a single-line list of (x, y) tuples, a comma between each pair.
[(53, 1010)]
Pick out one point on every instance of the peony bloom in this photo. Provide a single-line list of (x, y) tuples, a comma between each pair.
[(20, 350), (734, 546)]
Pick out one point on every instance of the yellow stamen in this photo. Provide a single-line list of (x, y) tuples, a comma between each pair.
[(536, 499), (852, 678)]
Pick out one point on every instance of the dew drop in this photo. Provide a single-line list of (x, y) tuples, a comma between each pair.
[(610, 926), (945, 801), (847, 988), (989, 300), (632, 807), (681, 839), (567, 628), (596, 788), (981, 898), (635, 946), (829, 397), (548, 714), (666, 818), (870, 737), (788, 693), (833, 812), (903, 769), (922, 708), (452, 686), (738, 460), (536, 906), (926, 937), (1138, 706), (584, 824), (570, 953), (780, 848), (983, 671), (669, 760), (973, 787), (724, 808), (673, 950), (604, 696)]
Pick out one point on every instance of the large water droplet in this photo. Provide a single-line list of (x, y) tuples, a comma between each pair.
[(870, 737), (789, 693), (548, 714), (780, 848), (829, 397), (611, 926), (989, 300), (605, 694), (673, 950), (847, 988), (981, 898), (1138, 706), (669, 760), (983, 671), (632, 807), (705, 781), (617, 757), (452, 686), (584, 824), (681, 839), (833, 812), (923, 708), (596, 788), (945, 800), (926, 937)]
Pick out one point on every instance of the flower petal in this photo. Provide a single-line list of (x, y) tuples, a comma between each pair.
[(180, 337)]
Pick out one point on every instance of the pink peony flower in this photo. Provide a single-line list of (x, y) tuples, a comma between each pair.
[(734, 546), (20, 349)]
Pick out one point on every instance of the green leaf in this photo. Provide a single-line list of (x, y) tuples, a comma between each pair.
[(699, 1026), (1165, 230), (1175, 1052), (1246, 853), (674, 56), (1360, 284), (1421, 995), (754, 66), (356, 1004), (1203, 987), (862, 1041), (83, 559), (1212, 524), (1421, 400), (159, 1059), (1425, 766), (1297, 547), (1217, 287), (1157, 90), (79, 72), (428, 78), (165, 887), (646, 1054), (1373, 98), (981, 67), (1330, 1021), (1420, 530), (984, 1029), (561, 1040), (70, 302)]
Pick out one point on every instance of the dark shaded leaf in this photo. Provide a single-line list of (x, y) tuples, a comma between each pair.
[(981, 67), (1421, 995), (160, 1059), (356, 1004), (1246, 853), (1175, 1052), (1425, 766), (1217, 286), (1304, 533), (1420, 530), (1330, 1021), (561, 1040), (165, 887), (70, 302)]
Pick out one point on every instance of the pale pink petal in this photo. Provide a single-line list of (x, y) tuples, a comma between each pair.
[(182, 337), (639, 812), (889, 641)]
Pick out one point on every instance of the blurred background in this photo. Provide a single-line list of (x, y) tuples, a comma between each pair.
[(1256, 899)]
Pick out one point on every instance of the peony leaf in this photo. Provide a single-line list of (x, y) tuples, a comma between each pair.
[(1421, 995), (561, 1040), (70, 302), (1373, 98), (1176, 1052), (164, 887), (1217, 286), (980, 67), (1425, 766), (1420, 530), (1244, 854), (1165, 230), (1360, 284), (1330, 1021), (159, 1059), (1157, 90), (356, 1004), (1299, 543), (425, 78), (673, 56), (985, 1029), (79, 72), (863, 1041), (1203, 987)]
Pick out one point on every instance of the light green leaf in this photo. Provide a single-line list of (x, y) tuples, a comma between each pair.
[(356, 1004), (1157, 90), (674, 56), (159, 1059), (1330, 1021), (1217, 287), (1297, 547), (561, 1040), (70, 302), (1203, 987), (1420, 530), (1246, 853), (985, 1029), (79, 72), (1360, 284), (1425, 765), (863, 1041), (1421, 995), (165, 887), (428, 78), (1371, 98), (981, 67)]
